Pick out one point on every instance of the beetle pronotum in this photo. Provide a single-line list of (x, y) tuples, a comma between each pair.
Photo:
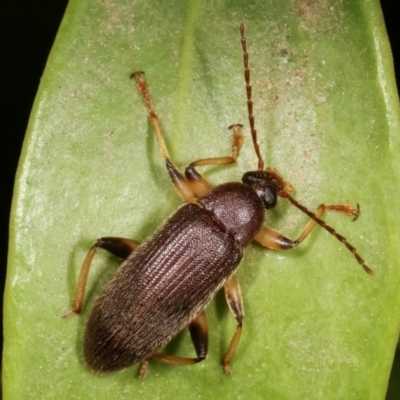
[(165, 283)]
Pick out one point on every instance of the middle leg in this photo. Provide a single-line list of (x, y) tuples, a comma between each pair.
[(234, 299), (120, 247)]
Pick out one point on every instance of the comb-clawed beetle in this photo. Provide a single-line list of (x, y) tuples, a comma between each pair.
[(165, 283)]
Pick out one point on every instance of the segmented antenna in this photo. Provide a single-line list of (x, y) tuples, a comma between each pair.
[(322, 223), (284, 193), (249, 101)]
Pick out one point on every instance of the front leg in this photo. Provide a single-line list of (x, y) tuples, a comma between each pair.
[(276, 241), (199, 185), (193, 184)]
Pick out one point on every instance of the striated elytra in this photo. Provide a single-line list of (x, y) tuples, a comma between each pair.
[(165, 283)]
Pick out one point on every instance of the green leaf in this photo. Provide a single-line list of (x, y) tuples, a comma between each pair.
[(317, 326)]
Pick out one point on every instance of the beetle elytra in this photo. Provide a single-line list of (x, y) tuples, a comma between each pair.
[(165, 283)]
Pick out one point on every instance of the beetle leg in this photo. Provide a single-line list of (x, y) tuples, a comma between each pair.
[(179, 181), (198, 329), (143, 368), (120, 247), (199, 333), (276, 241), (199, 185), (194, 185), (117, 246), (181, 185), (234, 299)]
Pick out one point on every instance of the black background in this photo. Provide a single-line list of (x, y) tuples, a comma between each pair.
[(29, 31)]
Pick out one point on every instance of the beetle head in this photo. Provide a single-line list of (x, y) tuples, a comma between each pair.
[(267, 184)]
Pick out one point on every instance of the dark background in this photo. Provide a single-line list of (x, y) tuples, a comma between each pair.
[(29, 31)]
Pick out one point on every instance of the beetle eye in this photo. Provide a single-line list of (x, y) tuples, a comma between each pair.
[(269, 198)]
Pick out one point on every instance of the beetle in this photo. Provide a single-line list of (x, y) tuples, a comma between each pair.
[(165, 283)]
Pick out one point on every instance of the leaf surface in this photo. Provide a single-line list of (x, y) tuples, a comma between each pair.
[(327, 114)]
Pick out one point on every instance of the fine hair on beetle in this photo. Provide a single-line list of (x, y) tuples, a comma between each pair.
[(164, 283)]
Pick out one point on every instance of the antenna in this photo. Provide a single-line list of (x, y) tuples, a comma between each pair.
[(249, 100), (322, 223)]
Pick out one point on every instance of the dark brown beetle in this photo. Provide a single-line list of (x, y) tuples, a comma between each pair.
[(166, 282)]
